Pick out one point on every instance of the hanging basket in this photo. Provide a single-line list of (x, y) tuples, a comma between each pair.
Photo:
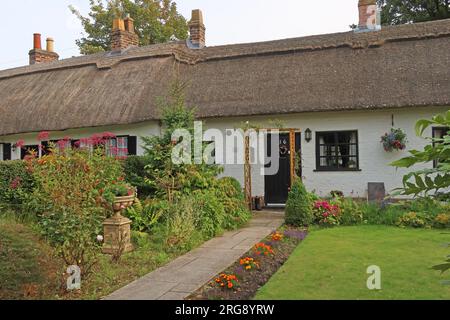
[(394, 140)]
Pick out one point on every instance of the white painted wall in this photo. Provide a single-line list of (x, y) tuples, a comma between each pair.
[(139, 130), (373, 160), (371, 125)]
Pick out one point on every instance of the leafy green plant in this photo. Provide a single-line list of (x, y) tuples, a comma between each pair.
[(229, 193), (135, 174), (326, 213), (181, 223), (68, 200), (428, 182), (350, 211), (162, 174), (16, 184), (117, 189), (413, 219), (299, 205), (442, 220), (211, 212), (146, 214)]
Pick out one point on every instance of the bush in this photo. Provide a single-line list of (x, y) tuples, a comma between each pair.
[(68, 199), (351, 211), (413, 219), (442, 220), (181, 224), (389, 215), (144, 215), (16, 183), (211, 212), (298, 206), (135, 174), (326, 214), (230, 194)]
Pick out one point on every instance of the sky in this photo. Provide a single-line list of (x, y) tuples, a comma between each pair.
[(227, 22)]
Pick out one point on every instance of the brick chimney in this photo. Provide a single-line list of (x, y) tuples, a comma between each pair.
[(369, 16), (197, 29), (37, 55), (123, 34)]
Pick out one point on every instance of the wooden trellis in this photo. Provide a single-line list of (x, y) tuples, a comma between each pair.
[(248, 168)]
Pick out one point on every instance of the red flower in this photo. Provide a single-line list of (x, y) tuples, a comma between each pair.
[(44, 135), (15, 183)]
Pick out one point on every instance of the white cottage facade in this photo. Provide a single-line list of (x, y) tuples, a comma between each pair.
[(346, 89)]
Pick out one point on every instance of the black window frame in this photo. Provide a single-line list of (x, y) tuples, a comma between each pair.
[(131, 144), (320, 168), (7, 154), (433, 134)]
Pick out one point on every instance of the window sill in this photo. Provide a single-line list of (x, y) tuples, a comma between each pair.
[(337, 170)]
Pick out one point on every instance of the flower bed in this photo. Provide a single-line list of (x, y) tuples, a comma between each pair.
[(242, 280)]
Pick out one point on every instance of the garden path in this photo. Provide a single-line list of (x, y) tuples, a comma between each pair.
[(184, 275)]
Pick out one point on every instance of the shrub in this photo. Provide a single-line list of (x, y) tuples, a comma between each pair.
[(211, 212), (135, 174), (67, 197), (298, 206), (326, 214), (144, 215), (230, 194), (181, 223), (351, 212), (412, 219), (442, 220), (16, 183), (389, 215)]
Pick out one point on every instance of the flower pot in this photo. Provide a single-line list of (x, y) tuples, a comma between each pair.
[(121, 203)]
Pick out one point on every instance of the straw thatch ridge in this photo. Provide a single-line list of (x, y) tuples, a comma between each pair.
[(400, 66)]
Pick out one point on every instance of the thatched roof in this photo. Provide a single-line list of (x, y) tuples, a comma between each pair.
[(398, 67)]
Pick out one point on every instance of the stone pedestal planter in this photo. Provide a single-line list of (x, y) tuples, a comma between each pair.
[(117, 229)]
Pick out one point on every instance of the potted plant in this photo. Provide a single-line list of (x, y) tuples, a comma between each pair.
[(394, 140), (118, 197)]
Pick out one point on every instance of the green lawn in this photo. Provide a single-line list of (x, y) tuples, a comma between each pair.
[(332, 264), (30, 268)]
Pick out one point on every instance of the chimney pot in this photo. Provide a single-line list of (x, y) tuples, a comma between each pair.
[(37, 55), (50, 45), (197, 29), (123, 35), (118, 24), (37, 41), (129, 24), (368, 15)]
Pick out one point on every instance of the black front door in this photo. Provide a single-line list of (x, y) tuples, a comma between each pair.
[(277, 186)]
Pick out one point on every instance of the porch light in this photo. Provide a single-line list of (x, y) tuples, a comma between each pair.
[(308, 135)]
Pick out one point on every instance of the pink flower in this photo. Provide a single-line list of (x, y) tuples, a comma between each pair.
[(20, 143), (44, 135), (108, 135)]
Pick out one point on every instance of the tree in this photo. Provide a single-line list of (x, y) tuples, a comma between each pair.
[(429, 182), (156, 21), (164, 175), (408, 11)]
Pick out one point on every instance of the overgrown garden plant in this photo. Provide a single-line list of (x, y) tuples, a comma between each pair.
[(433, 182), (67, 197)]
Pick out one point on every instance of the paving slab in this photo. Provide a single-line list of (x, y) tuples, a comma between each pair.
[(184, 275)]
